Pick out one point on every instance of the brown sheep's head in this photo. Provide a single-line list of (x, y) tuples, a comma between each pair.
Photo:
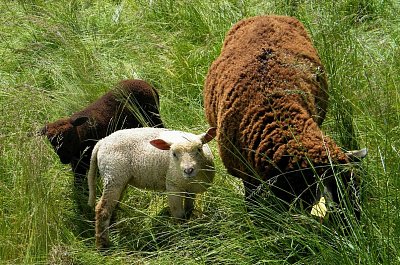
[(350, 182), (63, 136)]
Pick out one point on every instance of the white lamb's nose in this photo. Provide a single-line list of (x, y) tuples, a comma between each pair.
[(188, 171)]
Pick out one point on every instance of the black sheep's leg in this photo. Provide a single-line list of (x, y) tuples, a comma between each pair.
[(80, 186), (81, 189), (84, 213), (80, 170)]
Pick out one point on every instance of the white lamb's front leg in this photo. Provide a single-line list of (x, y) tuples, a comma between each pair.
[(189, 204), (175, 202)]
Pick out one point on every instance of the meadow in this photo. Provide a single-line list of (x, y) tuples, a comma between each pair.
[(58, 56)]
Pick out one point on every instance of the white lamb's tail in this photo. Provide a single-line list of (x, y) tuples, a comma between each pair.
[(92, 176)]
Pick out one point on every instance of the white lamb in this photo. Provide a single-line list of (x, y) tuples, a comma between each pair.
[(140, 157)]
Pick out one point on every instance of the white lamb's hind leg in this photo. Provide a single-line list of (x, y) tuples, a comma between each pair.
[(104, 210)]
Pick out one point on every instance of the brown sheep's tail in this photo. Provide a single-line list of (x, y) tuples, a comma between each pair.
[(92, 176)]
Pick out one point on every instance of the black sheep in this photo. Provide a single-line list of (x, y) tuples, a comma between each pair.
[(133, 103)]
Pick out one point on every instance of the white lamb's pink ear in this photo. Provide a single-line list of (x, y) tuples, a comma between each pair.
[(160, 144), (209, 135)]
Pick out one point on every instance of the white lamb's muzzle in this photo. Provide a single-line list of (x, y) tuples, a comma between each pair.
[(189, 172)]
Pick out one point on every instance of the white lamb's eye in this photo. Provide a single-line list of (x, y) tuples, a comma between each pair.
[(174, 154)]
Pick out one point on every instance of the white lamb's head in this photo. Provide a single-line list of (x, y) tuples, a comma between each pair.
[(189, 153)]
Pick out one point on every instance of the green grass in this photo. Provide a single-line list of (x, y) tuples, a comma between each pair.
[(57, 56)]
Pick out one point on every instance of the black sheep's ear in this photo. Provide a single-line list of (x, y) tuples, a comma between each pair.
[(79, 120), (42, 131)]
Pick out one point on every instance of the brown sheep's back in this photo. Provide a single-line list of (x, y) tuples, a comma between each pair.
[(262, 55)]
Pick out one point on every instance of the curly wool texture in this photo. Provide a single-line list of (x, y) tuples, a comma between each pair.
[(267, 95)]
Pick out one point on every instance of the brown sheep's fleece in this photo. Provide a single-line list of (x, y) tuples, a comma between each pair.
[(267, 95)]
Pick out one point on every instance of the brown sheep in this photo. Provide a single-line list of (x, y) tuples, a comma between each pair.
[(267, 95), (133, 103)]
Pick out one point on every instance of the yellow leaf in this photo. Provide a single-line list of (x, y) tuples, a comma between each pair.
[(319, 209)]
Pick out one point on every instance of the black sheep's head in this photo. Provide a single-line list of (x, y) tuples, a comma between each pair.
[(63, 136)]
